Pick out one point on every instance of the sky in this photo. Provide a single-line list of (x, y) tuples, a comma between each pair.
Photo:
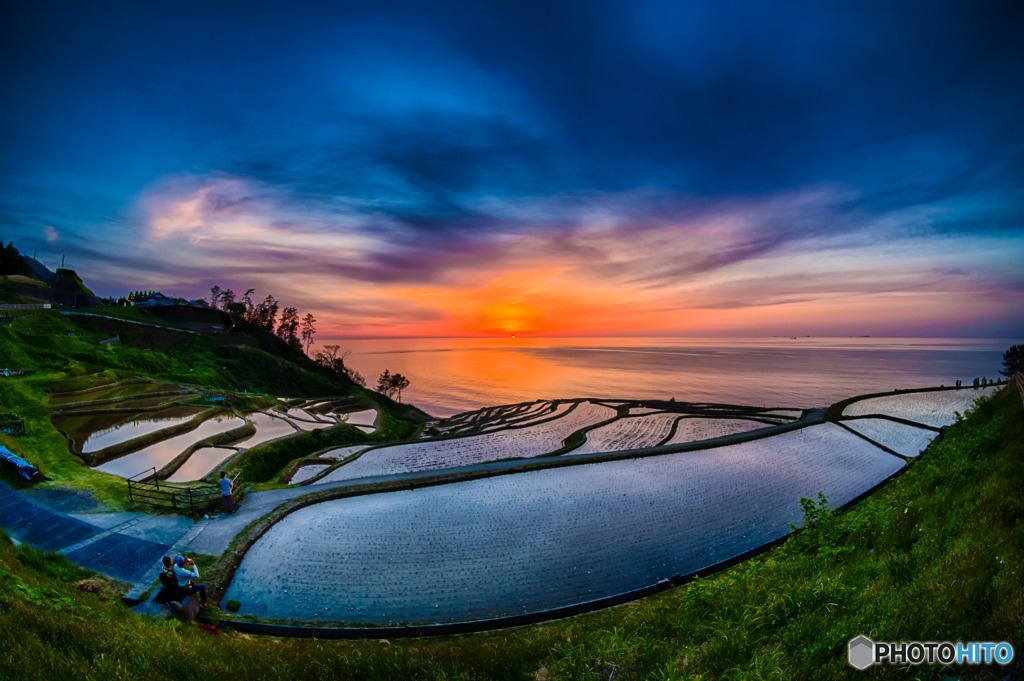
[(586, 167)]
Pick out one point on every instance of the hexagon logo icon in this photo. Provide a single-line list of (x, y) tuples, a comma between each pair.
[(862, 652)]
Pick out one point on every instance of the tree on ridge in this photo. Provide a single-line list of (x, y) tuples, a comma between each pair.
[(288, 327), (308, 330), (1013, 361), (389, 384)]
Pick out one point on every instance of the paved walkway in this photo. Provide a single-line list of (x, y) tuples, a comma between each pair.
[(120, 545)]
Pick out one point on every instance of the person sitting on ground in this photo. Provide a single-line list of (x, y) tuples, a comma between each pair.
[(185, 577), (169, 581)]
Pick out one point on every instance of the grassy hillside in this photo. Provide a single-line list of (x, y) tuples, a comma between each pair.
[(64, 354), (41, 341), (934, 555)]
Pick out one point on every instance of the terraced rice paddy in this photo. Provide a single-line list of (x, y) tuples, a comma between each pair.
[(110, 392), (297, 414), (160, 453), (132, 430), (306, 472), (533, 541), (510, 443), (142, 403), (636, 411), (933, 408), (342, 452), (312, 425), (903, 439), (497, 418), (365, 417), (92, 432), (200, 463), (267, 428), (629, 433), (695, 429)]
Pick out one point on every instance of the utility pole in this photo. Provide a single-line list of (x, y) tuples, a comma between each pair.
[(62, 262)]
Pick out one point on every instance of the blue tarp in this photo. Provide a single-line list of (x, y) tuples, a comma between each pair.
[(24, 468)]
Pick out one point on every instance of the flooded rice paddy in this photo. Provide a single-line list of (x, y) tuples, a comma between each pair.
[(91, 433), (200, 463), (159, 454), (267, 428), (533, 541)]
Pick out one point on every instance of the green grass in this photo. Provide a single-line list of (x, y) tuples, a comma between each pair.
[(40, 341), (936, 554), (65, 354)]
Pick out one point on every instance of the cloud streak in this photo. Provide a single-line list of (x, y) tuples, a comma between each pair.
[(556, 167)]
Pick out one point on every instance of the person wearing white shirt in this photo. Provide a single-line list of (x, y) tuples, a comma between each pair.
[(185, 577)]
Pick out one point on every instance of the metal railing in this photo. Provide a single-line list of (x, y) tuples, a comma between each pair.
[(145, 488)]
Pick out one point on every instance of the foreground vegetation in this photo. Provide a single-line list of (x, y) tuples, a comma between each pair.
[(936, 554)]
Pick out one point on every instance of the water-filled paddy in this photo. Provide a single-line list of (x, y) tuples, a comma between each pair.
[(267, 428), (934, 408), (301, 414), (160, 453), (200, 462), (534, 541), (903, 439), (129, 431), (532, 440), (310, 425), (94, 432), (306, 472), (366, 417)]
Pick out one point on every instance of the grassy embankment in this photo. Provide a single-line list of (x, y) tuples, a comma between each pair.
[(65, 355), (936, 554)]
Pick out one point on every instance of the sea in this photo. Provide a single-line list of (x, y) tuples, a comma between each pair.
[(453, 375)]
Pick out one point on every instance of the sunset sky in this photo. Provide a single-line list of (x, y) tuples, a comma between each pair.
[(549, 168)]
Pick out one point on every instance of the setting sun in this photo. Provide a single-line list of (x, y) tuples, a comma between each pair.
[(508, 319)]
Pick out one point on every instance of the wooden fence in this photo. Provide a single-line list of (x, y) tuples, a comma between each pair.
[(145, 488)]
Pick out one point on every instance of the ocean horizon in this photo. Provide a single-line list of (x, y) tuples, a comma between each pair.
[(453, 375)]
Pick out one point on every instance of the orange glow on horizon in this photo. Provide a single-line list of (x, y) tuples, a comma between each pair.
[(475, 313), (508, 319)]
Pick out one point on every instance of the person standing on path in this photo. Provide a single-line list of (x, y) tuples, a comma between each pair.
[(225, 492)]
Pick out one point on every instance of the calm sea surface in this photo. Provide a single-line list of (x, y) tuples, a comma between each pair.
[(451, 375)]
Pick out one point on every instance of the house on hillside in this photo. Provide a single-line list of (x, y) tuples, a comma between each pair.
[(155, 300)]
